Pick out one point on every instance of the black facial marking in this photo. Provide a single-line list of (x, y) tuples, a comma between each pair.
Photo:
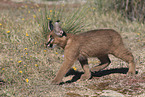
[(64, 34), (51, 45), (50, 36), (49, 42)]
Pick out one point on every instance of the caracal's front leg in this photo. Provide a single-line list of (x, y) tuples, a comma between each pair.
[(70, 56), (67, 64)]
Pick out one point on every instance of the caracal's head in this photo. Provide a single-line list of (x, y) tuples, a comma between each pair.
[(55, 35)]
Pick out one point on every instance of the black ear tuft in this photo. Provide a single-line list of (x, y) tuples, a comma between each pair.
[(50, 26)]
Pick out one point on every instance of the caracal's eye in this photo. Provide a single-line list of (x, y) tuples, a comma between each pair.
[(51, 36)]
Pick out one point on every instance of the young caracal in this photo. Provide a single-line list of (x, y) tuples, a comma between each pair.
[(95, 43)]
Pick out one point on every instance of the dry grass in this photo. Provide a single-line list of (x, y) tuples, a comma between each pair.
[(27, 67)]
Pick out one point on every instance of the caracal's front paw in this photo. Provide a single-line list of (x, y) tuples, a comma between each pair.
[(95, 69), (55, 82), (85, 76), (131, 72)]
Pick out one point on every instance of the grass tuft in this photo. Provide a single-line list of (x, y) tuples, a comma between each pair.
[(71, 22)]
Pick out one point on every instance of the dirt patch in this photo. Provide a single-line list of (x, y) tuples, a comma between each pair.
[(106, 80), (99, 86), (127, 85), (73, 95)]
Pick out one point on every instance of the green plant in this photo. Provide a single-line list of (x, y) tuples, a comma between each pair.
[(72, 22)]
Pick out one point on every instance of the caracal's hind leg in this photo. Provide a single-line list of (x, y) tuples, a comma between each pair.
[(105, 61), (126, 56), (84, 63)]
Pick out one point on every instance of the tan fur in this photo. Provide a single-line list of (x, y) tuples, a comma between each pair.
[(96, 43)]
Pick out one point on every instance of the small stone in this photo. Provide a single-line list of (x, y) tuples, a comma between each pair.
[(111, 93)]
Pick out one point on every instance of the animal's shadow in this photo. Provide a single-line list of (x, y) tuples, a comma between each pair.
[(101, 73)]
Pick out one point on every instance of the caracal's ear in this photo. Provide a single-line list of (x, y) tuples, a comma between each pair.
[(50, 26), (58, 30)]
